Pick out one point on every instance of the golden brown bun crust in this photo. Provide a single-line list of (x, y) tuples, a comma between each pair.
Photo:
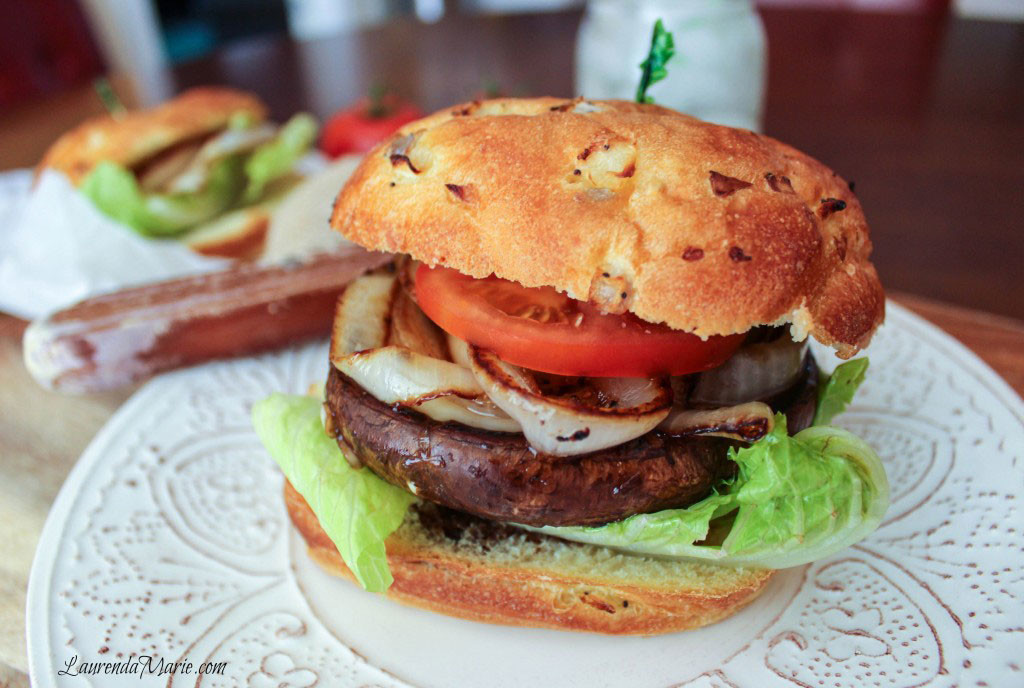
[(627, 200), (141, 133), (497, 574)]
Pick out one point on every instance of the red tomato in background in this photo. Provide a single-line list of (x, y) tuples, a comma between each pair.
[(359, 128), (542, 329)]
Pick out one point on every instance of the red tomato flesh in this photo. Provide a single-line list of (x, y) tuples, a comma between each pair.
[(542, 329)]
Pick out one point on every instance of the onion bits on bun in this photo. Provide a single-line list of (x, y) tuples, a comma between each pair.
[(582, 397)]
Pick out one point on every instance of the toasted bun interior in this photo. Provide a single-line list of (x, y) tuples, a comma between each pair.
[(706, 228), (479, 570)]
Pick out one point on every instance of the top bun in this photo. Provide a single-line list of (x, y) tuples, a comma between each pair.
[(639, 208), (140, 134)]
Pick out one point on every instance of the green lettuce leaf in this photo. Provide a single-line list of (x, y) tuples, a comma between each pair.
[(835, 394), (356, 509), (116, 192), (277, 156), (794, 500), (233, 179)]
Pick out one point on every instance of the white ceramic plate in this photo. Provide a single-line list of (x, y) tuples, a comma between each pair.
[(170, 539)]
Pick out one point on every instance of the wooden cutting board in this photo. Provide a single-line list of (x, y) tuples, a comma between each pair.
[(42, 434)]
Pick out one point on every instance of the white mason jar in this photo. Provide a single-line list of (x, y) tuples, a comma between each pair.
[(718, 71)]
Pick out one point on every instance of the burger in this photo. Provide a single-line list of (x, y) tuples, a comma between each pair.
[(581, 397), (204, 168)]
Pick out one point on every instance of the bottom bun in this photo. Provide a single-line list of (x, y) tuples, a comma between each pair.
[(463, 566), (239, 234)]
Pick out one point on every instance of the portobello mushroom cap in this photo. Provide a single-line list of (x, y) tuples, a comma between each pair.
[(499, 476)]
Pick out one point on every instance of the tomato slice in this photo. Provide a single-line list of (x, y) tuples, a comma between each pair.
[(542, 329)]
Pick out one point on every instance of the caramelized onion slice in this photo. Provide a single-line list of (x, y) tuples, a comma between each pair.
[(228, 142), (388, 346), (361, 315), (396, 375), (156, 174), (561, 426), (755, 371), (458, 351), (440, 389), (746, 422), (411, 328), (480, 413)]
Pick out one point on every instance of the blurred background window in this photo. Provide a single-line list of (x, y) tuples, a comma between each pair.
[(48, 46), (918, 100)]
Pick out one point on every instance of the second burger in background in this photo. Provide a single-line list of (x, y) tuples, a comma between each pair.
[(180, 169)]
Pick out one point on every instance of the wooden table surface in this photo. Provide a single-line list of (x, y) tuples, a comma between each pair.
[(924, 112)]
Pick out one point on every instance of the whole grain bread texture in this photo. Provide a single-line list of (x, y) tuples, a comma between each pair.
[(634, 207), (137, 135), (466, 567)]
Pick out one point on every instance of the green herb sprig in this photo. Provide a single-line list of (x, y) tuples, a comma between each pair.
[(662, 50)]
